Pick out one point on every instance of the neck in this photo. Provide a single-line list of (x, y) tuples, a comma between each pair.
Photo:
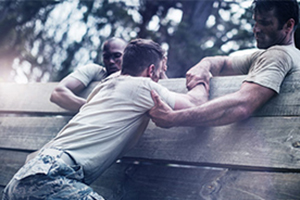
[(290, 40)]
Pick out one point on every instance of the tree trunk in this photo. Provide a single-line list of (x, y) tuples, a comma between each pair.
[(184, 47)]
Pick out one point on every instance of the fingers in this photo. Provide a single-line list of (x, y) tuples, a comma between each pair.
[(158, 123), (195, 78), (190, 85), (155, 98)]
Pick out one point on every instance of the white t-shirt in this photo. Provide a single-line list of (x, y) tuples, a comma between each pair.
[(268, 67), (88, 73), (110, 123)]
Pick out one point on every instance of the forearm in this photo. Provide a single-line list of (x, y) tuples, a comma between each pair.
[(217, 112), (198, 95), (220, 111), (67, 100), (212, 64), (225, 109), (206, 68)]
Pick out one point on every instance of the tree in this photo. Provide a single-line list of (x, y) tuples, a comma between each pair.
[(45, 40), (16, 27)]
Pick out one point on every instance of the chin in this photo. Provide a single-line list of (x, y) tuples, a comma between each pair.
[(262, 46)]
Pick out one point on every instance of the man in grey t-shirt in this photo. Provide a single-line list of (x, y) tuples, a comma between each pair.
[(275, 24), (66, 92)]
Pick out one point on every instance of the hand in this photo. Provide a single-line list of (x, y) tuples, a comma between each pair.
[(161, 112), (196, 75)]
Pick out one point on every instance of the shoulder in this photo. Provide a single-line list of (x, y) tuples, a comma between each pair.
[(91, 67), (249, 55), (280, 53), (89, 72), (143, 83), (278, 50)]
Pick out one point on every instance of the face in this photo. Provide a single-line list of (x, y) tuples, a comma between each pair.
[(266, 30), (112, 56)]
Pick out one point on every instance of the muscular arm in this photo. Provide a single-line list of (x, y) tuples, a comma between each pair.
[(207, 67), (64, 94), (197, 96), (220, 111)]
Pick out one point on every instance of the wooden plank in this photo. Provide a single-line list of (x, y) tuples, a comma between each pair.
[(35, 96), (259, 142), (130, 181), (29, 133), (160, 182), (287, 103), (32, 97)]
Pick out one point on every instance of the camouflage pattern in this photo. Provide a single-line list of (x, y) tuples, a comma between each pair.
[(49, 177)]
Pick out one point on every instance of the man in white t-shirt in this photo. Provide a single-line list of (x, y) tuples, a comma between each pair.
[(107, 126), (266, 68)]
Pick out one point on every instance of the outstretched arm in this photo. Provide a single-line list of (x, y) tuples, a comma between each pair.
[(208, 67), (220, 111), (65, 94), (195, 97)]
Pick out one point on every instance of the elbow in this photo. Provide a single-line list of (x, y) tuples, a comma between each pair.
[(54, 98), (199, 100), (245, 113)]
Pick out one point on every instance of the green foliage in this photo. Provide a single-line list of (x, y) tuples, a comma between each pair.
[(45, 40)]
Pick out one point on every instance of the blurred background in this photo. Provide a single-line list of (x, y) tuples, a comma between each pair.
[(44, 40)]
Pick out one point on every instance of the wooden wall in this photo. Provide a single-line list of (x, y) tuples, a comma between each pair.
[(258, 158)]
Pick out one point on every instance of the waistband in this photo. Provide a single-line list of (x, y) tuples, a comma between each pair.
[(59, 154)]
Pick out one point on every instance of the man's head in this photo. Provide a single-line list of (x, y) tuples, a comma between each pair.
[(143, 58), (112, 54), (275, 22)]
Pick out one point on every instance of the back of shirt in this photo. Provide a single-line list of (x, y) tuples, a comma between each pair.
[(111, 122)]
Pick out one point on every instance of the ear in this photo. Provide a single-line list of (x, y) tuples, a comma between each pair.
[(150, 70), (289, 25)]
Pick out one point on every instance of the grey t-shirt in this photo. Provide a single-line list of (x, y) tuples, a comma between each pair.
[(269, 67), (88, 73)]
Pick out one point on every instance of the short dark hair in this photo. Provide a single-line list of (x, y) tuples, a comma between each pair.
[(284, 9), (140, 54)]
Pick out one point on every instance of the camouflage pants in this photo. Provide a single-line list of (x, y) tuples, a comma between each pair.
[(49, 177)]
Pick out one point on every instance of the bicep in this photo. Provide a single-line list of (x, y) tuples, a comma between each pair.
[(254, 95), (182, 101), (72, 84), (227, 69)]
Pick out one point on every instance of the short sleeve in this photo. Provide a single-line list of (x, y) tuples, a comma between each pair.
[(242, 62), (89, 73), (166, 95), (270, 68)]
